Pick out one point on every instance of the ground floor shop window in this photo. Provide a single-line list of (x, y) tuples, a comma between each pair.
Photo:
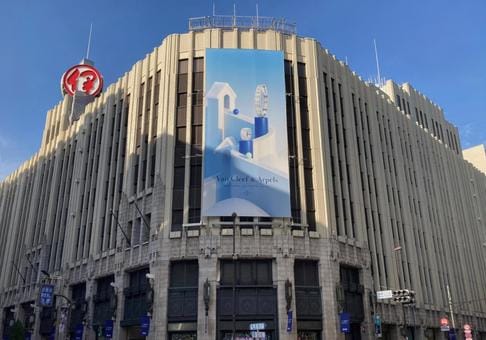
[(308, 335), (183, 336), (248, 335)]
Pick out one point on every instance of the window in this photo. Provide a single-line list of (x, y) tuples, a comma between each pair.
[(196, 141), (180, 147), (183, 288), (292, 142), (226, 102), (184, 274), (306, 273), (135, 298), (246, 273), (307, 297), (103, 301)]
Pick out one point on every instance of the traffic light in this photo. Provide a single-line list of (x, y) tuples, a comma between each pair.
[(411, 295), (378, 331), (404, 296)]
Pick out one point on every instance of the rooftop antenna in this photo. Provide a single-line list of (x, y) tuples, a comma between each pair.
[(89, 40), (377, 64), (234, 14), (257, 15), (214, 9)]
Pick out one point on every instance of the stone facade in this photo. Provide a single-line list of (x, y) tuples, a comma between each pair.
[(386, 169)]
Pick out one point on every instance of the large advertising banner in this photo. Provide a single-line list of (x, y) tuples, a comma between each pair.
[(246, 165)]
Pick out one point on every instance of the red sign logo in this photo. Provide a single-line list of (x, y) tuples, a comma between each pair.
[(83, 78)]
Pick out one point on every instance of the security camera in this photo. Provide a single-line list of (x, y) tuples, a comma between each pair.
[(113, 284), (150, 276)]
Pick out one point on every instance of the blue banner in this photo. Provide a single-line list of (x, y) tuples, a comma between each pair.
[(108, 331), (46, 297), (345, 322), (289, 321), (78, 331), (378, 325), (52, 336), (144, 325), (246, 162)]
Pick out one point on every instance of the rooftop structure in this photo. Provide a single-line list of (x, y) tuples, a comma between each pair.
[(242, 22)]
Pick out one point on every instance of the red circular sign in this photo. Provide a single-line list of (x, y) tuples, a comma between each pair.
[(82, 78), (444, 322)]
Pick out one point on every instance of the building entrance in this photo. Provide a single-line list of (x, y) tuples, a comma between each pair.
[(247, 301)]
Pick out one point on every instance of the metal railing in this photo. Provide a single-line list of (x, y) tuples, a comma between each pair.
[(245, 22)]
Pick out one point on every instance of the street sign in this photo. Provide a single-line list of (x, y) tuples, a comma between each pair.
[(144, 325), (257, 326), (257, 335), (384, 294), (444, 325), (46, 297), (345, 322)]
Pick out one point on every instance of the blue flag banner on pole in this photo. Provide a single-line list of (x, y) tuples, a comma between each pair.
[(108, 329), (144, 325), (46, 297), (52, 336), (345, 322), (78, 332), (289, 321)]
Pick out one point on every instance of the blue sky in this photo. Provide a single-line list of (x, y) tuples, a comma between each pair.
[(439, 46)]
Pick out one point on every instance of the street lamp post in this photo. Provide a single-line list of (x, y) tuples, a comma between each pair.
[(449, 298)]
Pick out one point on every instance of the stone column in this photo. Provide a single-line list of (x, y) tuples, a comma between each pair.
[(329, 277), (120, 278), (158, 327)]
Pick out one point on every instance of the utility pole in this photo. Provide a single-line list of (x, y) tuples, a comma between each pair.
[(396, 251), (450, 308)]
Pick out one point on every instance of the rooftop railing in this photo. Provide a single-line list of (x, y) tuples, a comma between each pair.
[(244, 22)]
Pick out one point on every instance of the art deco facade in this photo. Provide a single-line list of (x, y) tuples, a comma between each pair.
[(381, 198)]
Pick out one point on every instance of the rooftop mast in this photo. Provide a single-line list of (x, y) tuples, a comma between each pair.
[(379, 80), (89, 40)]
